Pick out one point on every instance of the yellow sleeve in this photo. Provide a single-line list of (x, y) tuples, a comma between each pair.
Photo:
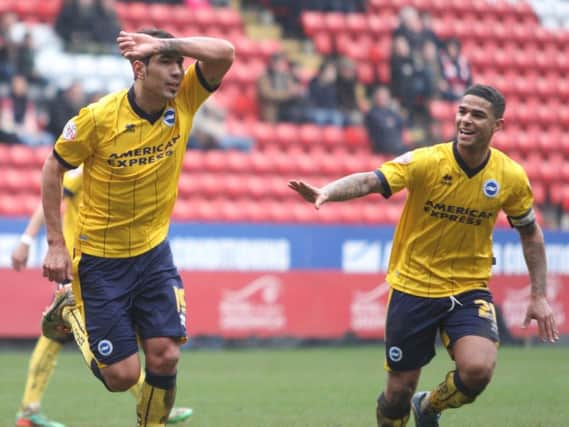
[(77, 140), (402, 171), (519, 204), (195, 89)]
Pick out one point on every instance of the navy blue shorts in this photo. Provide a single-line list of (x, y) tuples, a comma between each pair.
[(126, 297), (413, 323)]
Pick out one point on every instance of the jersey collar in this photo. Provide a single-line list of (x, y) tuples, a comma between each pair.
[(139, 111), (462, 164)]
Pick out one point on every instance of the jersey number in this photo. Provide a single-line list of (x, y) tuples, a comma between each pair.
[(486, 309)]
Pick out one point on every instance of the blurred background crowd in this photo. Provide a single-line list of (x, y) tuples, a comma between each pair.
[(319, 88)]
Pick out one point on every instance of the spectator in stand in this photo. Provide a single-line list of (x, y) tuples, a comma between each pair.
[(88, 25), (401, 65), (63, 106), (209, 131), (19, 117), (280, 94), (456, 71), (323, 98), (434, 69), (410, 28), (384, 124), (411, 86), (25, 61), (351, 94), (427, 32), (108, 25), (7, 46)]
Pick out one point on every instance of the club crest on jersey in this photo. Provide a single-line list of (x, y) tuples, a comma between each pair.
[(105, 347), (69, 131), (169, 117), (491, 188)]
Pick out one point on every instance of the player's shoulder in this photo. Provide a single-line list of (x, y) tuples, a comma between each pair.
[(108, 104), (508, 165), (433, 153)]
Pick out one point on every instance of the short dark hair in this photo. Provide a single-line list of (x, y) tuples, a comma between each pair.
[(490, 94), (154, 32)]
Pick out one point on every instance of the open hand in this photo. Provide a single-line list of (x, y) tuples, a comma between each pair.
[(309, 193), (137, 45), (540, 310)]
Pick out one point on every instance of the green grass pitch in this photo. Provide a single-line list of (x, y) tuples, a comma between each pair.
[(323, 387)]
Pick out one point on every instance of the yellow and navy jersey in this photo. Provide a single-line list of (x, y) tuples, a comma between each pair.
[(131, 165), (72, 187), (443, 243)]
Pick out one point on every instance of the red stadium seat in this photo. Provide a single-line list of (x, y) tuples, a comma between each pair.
[(188, 185), (262, 162), (228, 19), (332, 136), (373, 213), (253, 211), (312, 23), (334, 22), (193, 161), (323, 43), (304, 212), (21, 156), (366, 73), (214, 161), (267, 48), (356, 138), (287, 134), (205, 17), (245, 47), (310, 134), (184, 210), (264, 134), (356, 23), (237, 162)]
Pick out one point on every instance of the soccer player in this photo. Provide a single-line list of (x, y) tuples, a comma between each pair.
[(442, 256), (131, 144), (44, 356)]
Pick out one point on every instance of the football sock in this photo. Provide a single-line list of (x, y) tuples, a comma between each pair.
[(73, 317), (157, 397), (42, 364), (137, 388), (451, 393), (388, 415)]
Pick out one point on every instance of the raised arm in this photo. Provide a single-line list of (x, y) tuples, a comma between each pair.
[(57, 264), (215, 55), (533, 246), (346, 188)]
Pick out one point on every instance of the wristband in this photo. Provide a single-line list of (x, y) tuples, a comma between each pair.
[(26, 239)]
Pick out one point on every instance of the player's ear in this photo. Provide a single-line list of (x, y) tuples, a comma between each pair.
[(139, 69), (499, 125)]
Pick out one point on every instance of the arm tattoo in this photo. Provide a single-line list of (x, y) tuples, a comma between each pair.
[(168, 47), (534, 254), (352, 186)]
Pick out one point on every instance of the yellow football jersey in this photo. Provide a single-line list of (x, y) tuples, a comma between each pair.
[(131, 165), (72, 186), (443, 243)]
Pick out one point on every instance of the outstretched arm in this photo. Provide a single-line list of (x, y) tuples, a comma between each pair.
[(534, 253), (215, 55), (21, 251), (346, 188)]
